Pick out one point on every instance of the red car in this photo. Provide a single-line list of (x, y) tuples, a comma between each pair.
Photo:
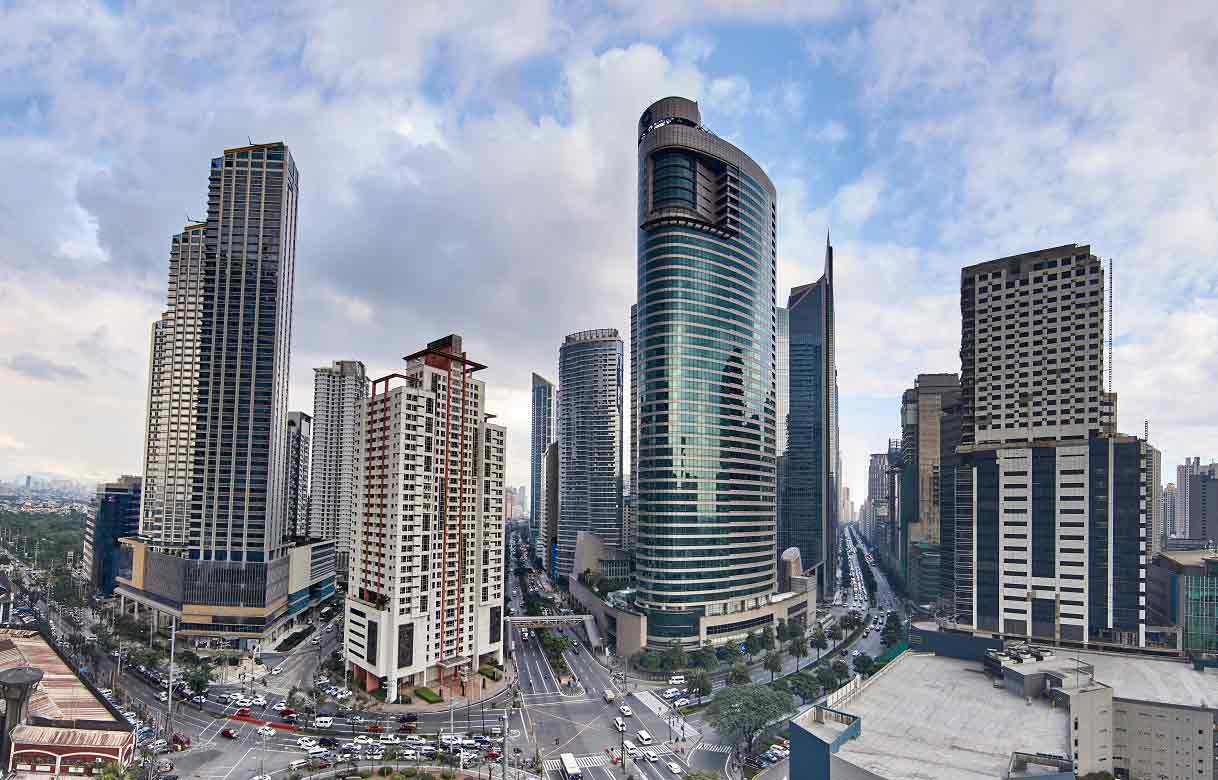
[(244, 712), (493, 754), (321, 763), (228, 733), (375, 728), (287, 712), (408, 728)]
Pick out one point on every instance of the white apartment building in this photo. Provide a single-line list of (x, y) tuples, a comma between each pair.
[(337, 389), (425, 600)]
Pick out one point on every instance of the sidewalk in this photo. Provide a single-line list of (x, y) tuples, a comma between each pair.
[(475, 695)]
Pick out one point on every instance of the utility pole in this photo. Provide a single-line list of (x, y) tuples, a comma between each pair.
[(173, 633)]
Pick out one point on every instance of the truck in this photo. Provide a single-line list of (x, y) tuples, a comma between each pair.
[(609, 695)]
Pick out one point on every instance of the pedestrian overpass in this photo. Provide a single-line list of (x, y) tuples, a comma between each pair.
[(558, 621)]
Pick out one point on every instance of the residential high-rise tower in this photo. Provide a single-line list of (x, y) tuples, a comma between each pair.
[(300, 427), (337, 389), (425, 603), (590, 373), (541, 436)]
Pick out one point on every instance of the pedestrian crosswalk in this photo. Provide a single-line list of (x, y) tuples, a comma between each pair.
[(715, 748), (583, 762)]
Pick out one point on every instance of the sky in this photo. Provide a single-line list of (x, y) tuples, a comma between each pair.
[(469, 167)]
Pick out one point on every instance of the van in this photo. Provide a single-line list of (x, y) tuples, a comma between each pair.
[(299, 763), (676, 679), (619, 724), (630, 749), (609, 695), (644, 738), (317, 752), (323, 722)]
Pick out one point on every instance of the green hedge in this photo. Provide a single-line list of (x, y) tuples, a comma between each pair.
[(428, 695), (489, 671)]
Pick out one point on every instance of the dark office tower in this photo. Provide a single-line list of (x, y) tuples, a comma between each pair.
[(118, 516), (704, 491), (955, 518), (542, 436), (634, 424), (300, 434), (1060, 504), (590, 373), (215, 541), (810, 502)]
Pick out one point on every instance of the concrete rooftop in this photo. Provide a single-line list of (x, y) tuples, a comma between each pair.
[(933, 718)]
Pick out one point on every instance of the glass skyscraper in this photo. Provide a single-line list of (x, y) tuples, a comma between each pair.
[(590, 372), (809, 519), (704, 491), (542, 436)]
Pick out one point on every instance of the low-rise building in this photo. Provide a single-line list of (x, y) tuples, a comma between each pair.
[(973, 708), (1182, 591), (56, 724)]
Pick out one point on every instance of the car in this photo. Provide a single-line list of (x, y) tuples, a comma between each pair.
[(261, 777), (241, 701), (408, 755), (258, 701), (356, 719), (493, 754), (671, 693), (287, 712), (469, 755), (199, 699), (676, 679), (363, 739), (449, 739), (407, 728), (674, 767), (625, 710), (682, 702), (242, 712), (376, 754), (390, 739), (323, 722), (228, 733), (266, 731), (162, 697), (619, 724), (415, 740), (651, 756), (279, 706), (375, 728), (328, 742), (307, 742), (644, 738), (277, 670), (410, 717)]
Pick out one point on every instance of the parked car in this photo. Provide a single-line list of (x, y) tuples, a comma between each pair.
[(228, 733)]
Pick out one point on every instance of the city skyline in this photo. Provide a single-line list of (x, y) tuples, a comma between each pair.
[(838, 125)]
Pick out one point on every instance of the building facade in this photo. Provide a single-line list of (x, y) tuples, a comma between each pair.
[(590, 374), (541, 436), (1056, 506), (551, 511), (810, 504), (214, 551), (782, 376), (117, 517), (337, 389), (704, 486), (1167, 509), (1190, 467), (425, 604), (300, 435)]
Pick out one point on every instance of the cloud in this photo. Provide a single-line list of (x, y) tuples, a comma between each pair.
[(42, 369), (832, 132), (9, 443)]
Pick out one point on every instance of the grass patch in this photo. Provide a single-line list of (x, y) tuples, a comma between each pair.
[(428, 695)]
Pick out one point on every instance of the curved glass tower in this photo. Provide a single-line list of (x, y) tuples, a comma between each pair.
[(705, 487)]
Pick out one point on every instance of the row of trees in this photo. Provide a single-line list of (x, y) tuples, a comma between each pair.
[(768, 644)]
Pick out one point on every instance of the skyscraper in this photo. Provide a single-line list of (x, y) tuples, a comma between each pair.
[(300, 434), (425, 606), (590, 372), (1167, 504), (118, 516), (215, 543), (706, 325), (782, 376), (1191, 466), (540, 437), (337, 389), (810, 504), (1055, 511)]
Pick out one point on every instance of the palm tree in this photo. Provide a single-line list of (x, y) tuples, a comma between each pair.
[(819, 641), (773, 664)]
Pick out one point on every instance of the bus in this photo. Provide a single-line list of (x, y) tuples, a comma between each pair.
[(570, 770)]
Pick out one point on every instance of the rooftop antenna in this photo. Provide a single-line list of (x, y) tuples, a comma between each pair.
[(250, 139), (1146, 430), (1110, 318)]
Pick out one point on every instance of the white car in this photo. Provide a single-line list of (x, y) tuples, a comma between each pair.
[(681, 703), (674, 767), (390, 739), (307, 742), (279, 706), (241, 701), (625, 710), (408, 755), (414, 739), (266, 731), (261, 777), (277, 670), (450, 739), (363, 739), (651, 756), (162, 696), (258, 701)]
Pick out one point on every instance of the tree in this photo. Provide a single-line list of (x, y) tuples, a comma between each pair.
[(863, 664), (783, 634), (739, 675), (198, 677), (797, 648), (827, 678), (648, 660), (700, 685), (753, 643), (730, 653), (674, 657), (773, 664), (741, 713), (767, 638), (840, 670), (704, 658), (805, 686), (819, 641), (835, 633)]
